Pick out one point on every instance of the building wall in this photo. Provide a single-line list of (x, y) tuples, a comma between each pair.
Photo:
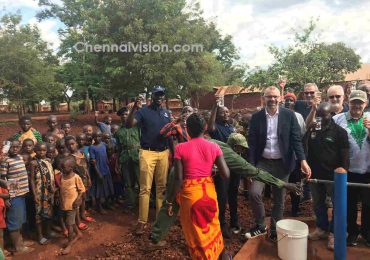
[(243, 101)]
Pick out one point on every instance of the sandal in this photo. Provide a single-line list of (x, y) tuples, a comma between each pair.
[(43, 241), (82, 226), (88, 219)]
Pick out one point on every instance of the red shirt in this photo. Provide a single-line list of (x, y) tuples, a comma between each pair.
[(197, 156)]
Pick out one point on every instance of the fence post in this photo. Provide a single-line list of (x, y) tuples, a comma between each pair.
[(340, 214)]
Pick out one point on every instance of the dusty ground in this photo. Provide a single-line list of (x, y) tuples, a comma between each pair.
[(111, 237)]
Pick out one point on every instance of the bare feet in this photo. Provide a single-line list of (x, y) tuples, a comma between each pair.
[(66, 250)]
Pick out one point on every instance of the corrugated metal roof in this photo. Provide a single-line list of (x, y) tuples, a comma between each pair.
[(234, 90), (361, 74)]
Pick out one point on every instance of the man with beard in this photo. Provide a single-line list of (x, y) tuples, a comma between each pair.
[(220, 129), (153, 154), (335, 95), (275, 144)]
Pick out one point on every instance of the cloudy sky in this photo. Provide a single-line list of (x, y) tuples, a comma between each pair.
[(256, 24)]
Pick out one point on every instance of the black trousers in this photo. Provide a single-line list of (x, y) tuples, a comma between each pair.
[(295, 177), (227, 192), (354, 195)]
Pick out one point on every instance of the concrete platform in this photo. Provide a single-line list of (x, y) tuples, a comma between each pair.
[(262, 249)]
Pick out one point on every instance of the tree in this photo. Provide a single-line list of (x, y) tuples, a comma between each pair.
[(307, 60), (147, 21), (26, 63)]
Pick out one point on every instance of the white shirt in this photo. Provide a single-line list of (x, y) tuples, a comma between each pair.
[(272, 150), (358, 157), (301, 122)]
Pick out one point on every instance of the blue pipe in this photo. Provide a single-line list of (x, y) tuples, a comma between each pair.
[(340, 214)]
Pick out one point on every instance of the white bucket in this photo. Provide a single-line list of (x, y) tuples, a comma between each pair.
[(292, 239)]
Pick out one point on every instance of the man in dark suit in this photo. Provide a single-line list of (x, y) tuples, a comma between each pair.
[(275, 144)]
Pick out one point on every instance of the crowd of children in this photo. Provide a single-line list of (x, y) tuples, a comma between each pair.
[(47, 184)]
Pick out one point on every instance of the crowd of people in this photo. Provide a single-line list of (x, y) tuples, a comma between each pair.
[(191, 167)]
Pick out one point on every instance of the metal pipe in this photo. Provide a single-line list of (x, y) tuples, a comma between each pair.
[(340, 214), (352, 184)]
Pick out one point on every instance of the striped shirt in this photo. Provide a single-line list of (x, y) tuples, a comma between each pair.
[(14, 169)]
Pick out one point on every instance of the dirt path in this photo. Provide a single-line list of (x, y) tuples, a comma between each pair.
[(108, 228)]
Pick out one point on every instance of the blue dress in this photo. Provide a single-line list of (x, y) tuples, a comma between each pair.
[(101, 189)]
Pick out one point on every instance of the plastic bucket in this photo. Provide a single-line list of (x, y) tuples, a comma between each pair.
[(292, 239)]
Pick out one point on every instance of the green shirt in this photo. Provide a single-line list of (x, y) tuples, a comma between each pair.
[(35, 133), (238, 165), (128, 142)]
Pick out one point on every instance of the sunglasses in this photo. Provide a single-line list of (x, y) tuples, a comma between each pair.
[(335, 96), (309, 93)]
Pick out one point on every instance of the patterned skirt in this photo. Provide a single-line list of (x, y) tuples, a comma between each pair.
[(199, 218)]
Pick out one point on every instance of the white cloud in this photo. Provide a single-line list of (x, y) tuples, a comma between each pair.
[(18, 3), (255, 25), (48, 31)]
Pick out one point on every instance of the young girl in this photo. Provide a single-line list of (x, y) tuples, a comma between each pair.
[(71, 192), (83, 171), (102, 181), (43, 188)]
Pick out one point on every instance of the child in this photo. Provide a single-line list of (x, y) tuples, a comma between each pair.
[(27, 147), (14, 171), (52, 123), (83, 171), (27, 131), (4, 202), (43, 188), (66, 127), (81, 140), (87, 130), (71, 192), (51, 152), (49, 138), (102, 182), (105, 127)]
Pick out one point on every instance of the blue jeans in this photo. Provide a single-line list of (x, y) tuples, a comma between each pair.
[(319, 192)]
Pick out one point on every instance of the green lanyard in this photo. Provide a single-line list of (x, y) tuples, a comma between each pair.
[(358, 130)]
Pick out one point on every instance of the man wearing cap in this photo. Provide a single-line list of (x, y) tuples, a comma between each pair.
[(154, 152), (326, 149), (128, 144), (237, 165), (357, 124)]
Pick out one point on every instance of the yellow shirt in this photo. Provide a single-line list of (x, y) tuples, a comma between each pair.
[(69, 190)]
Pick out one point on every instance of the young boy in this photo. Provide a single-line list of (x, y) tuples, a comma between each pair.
[(71, 192), (53, 130), (27, 131), (13, 170), (50, 138), (66, 127), (87, 130), (105, 126)]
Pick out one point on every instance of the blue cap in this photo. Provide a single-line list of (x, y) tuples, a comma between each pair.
[(158, 89)]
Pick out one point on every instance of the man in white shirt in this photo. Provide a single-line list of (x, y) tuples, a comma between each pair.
[(275, 144)]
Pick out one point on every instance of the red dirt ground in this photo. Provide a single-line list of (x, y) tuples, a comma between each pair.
[(110, 237)]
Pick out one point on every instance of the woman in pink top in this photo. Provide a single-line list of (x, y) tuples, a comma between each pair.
[(196, 192)]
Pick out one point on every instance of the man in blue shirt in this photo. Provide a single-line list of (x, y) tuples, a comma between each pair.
[(154, 152)]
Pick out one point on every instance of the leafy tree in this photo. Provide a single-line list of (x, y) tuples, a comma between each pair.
[(26, 63), (147, 21), (307, 60)]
